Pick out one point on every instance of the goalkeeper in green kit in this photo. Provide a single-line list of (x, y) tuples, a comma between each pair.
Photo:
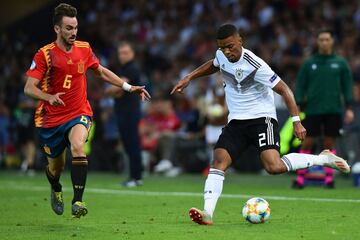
[(323, 89)]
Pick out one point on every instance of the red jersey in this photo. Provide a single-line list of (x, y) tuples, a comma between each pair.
[(59, 71)]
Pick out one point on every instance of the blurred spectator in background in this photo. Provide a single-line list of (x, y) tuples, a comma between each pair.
[(128, 112), (216, 113), (108, 130), (26, 136), (188, 149), (4, 134), (157, 130), (323, 82)]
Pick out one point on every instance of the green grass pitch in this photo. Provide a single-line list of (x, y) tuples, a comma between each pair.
[(159, 209)]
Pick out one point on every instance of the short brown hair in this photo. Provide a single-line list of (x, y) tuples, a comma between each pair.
[(63, 10)]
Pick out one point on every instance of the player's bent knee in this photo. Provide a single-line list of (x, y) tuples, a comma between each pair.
[(77, 148), (274, 169)]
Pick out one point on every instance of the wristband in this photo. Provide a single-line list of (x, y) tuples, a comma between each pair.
[(295, 119), (126, 87)]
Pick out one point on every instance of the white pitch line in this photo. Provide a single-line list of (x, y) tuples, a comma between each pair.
[(184, 194)]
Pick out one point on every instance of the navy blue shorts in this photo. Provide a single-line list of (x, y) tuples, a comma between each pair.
[(53, 141)]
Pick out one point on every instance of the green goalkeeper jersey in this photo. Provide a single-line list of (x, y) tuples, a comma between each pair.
[(324, 84)]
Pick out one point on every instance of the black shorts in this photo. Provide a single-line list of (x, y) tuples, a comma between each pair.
[(237, 135), (325, 124)]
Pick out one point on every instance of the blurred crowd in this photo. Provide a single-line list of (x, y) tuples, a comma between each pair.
[(171, 38)]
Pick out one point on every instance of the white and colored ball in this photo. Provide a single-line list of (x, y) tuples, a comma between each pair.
[(256, 210)]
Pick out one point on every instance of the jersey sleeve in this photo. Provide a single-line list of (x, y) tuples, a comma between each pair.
[(93, 61), (216, 62), (38, 66), (266, 75)]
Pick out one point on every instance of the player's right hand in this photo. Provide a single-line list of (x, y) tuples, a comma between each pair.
[(181, 85), (145, 96), (55, 99)]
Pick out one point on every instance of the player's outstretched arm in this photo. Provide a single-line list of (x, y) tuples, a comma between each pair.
[(31, 89), (283, 89), (204, 70), (112, 78)]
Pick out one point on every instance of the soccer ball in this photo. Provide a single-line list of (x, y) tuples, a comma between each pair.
[(256, 210)]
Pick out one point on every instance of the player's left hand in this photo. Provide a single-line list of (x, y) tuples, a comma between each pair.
[(299, 131), (145, 96), (181, 85)]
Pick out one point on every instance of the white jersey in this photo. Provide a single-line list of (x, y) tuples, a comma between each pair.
[(248, 86)]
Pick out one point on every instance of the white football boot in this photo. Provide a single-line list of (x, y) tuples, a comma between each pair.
[(336, 162)]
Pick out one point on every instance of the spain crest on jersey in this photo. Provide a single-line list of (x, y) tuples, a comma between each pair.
[(81, 67)]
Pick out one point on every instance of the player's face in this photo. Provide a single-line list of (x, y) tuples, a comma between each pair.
[(125, 54), (68, 30), (325, 42), (231, 47)]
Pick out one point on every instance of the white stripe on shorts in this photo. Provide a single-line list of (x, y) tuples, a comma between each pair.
[(270, 131)]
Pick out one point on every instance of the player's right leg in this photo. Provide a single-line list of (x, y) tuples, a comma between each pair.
[(200, 217), (232, 141), (213, 188), (52, 143), (53, 171)]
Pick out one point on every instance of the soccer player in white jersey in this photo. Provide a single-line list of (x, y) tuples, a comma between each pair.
[(249, 84)]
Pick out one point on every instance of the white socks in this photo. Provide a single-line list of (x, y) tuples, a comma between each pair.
[(295, 161), (213, 189)]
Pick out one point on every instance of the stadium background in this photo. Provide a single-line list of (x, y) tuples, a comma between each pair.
[(171, 37)]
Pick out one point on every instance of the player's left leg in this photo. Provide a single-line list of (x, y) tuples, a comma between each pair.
[(271, 161), (79, 165), (273, 164), (291, 162)]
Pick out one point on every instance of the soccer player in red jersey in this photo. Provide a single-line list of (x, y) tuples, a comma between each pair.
[(63, 116)]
